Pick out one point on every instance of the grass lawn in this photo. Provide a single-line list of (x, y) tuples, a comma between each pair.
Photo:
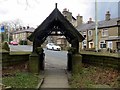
[(96, 77), (19, 52), (21, 80), (18, 76)]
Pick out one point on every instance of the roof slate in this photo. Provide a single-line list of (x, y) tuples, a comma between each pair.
[(24, 30), (101, 24)]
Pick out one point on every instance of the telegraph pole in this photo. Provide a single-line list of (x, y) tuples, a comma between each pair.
[(96, 28)]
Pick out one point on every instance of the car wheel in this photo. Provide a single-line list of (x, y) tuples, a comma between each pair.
[(52, 48)]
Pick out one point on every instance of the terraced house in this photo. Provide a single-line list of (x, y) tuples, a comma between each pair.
[(22, 34), (108, 34)]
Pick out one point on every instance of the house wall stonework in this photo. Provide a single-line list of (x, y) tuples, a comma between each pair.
[(104, 34), (113, 31), (22, 35)]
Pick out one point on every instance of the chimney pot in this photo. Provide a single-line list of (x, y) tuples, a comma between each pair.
[(65, 9), (90, 20), (108, 12), (28, 27)]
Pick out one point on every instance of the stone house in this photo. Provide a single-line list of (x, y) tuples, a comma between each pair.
[(22, 34), (108, 34)]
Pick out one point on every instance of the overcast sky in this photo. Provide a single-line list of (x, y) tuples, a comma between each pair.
[(36, 11)]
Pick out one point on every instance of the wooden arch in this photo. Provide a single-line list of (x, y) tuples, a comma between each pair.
[(55, 22)]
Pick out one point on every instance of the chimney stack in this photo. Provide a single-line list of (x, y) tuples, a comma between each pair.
[(67, 14), (107, 16), (79, 20), (90, 21)]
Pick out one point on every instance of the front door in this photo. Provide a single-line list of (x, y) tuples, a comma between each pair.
[(110, 44)]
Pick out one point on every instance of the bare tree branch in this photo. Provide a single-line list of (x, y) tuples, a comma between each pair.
[(3, 0), (27, 2)]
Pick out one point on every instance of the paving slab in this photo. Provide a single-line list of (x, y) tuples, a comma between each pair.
[(55, 78)]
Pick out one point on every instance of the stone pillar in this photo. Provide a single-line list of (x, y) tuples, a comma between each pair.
[(76, 64), (42, 61), (34, 64)]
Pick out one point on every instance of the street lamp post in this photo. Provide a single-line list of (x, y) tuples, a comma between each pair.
[(96, 28), (8, 34)]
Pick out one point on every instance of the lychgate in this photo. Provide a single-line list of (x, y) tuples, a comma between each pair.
[(55, 22)]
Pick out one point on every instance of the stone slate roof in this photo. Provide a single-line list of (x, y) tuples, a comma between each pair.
[(101, 24), (24, 30), (55, 19)]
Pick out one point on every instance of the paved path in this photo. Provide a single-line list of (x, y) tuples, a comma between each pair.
[(55, 75), (55, 78)]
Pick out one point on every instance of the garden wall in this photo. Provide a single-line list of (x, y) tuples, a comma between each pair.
[(106, 61), (13, 59)]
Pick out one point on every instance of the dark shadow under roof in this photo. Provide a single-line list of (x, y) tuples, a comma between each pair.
[(55, 22)]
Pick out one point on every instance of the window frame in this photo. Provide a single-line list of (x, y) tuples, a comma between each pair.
[(102, 43), (89, 33), (105, 32)]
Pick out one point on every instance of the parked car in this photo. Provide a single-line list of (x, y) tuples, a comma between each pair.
[(13, 43), (52, 46)]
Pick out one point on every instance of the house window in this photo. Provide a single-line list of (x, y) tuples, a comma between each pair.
[(84, 34), (105, 32), (102, 45), (84, 45), (90, 33)]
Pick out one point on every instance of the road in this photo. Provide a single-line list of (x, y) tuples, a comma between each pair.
[(53, 59), (20, 47)]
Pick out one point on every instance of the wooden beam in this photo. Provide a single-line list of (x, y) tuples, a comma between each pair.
[(55, 34)]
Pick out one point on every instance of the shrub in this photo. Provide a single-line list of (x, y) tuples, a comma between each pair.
[(5, 46)]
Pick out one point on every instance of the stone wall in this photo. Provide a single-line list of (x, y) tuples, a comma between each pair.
[(8, 60), (98, 60)]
